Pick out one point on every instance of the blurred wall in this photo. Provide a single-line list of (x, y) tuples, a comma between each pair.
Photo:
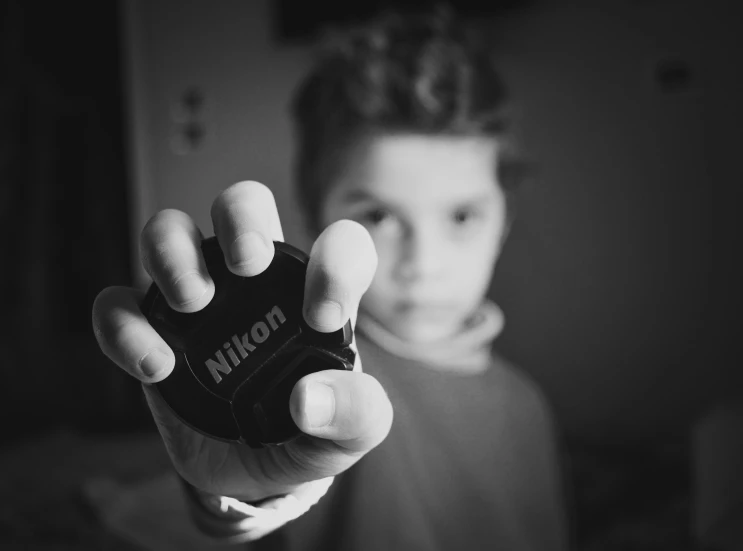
[(606, 279), (613, 280), (225, 49)]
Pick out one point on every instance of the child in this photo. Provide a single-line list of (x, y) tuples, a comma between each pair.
[(400, 159)]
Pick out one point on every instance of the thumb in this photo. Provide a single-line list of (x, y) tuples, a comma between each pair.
[(350, 408)]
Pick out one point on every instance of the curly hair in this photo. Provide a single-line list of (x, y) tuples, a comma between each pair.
[(417, 73)]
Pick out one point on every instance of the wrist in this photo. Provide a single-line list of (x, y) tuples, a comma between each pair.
[(231, 520)]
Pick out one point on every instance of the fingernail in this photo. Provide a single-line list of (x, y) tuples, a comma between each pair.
[(249, 248), (153, 362), (319, 405), (189, 288), (325, 316)]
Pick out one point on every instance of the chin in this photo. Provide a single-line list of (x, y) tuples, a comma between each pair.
[(416, 326), (422, 333)]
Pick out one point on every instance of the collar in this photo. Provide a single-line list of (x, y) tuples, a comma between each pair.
[(468, 351)]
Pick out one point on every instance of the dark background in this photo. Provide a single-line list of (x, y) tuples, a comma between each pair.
[(295, 23), (66, 214)]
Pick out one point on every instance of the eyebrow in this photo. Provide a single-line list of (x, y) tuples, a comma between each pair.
[(358, 195)]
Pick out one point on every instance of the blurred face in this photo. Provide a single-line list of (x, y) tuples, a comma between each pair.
[(437, 217)]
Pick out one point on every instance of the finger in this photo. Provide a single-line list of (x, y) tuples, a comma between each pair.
[(127, 338), (351, 409), (341, 267), (170, 247), (246, 223)]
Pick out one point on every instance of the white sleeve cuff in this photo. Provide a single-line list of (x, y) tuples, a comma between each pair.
[(272, 514)]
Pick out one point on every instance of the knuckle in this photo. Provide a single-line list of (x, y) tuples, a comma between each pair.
[(104, 316), (120, 334), (161, 225), (149, 237), (328, 281)]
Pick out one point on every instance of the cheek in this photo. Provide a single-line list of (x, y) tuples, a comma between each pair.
[(377, 300), (387, 258), (381, 295), (474, 262), (473, 273)]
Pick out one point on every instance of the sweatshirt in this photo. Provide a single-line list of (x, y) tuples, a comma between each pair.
[(471, 461)]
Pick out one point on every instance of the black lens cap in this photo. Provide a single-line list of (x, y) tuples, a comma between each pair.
[(238, 359)]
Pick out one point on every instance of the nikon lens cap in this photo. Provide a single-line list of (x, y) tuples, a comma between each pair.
[(238, 359)]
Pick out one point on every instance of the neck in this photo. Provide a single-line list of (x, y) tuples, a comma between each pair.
[(466, 352)]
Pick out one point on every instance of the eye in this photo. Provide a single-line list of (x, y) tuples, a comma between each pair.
[(376, 216), (464, 215)]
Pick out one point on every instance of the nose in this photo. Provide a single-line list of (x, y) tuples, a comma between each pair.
[(421, 255)]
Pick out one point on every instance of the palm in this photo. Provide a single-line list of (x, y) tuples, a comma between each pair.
[(234, 469)]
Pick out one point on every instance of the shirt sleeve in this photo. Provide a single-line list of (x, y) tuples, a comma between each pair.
[(230, 521)]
